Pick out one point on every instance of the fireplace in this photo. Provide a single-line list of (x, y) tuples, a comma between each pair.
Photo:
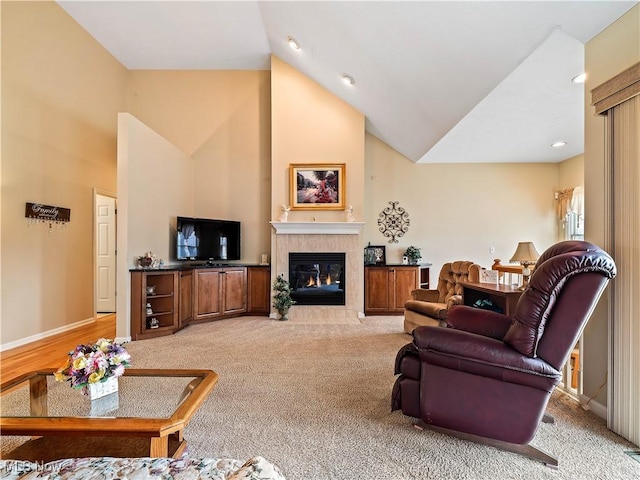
[(317, 278), (335, 237)]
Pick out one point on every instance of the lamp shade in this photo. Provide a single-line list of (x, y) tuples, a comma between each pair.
[(525, 253)]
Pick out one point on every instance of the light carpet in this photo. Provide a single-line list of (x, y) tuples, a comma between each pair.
[(315, 400)]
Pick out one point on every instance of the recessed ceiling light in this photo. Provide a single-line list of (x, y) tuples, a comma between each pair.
[(348, 80), (558, 144), (293, 43), (579, 78)]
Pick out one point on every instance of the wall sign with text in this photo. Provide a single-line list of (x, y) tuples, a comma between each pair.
[(48, 214)]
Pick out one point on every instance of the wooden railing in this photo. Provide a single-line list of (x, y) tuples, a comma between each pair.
[(508, 274)]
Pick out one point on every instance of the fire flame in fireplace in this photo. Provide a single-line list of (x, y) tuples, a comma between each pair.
[(312, 282)]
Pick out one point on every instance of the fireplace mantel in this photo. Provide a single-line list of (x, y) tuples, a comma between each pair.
[(313, 228), (326, 237)]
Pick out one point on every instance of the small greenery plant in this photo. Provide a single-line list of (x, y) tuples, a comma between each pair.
[(282, 300), (413, 254)]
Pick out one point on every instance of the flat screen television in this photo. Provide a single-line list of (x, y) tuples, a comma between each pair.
[(207, 239)]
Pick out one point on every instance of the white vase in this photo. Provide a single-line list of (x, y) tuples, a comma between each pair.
[(101, 389)]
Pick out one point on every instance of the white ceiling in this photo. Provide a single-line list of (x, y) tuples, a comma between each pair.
[(438, 81)]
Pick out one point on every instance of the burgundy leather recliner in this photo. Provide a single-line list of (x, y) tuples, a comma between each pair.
[(488, 377)]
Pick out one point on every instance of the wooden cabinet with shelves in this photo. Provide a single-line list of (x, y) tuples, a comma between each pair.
[(219, 292), (154, 303), (185, 308), (258, 290), (423, 275), (234, 289), (206, 293), (387, 288), (187, 295)]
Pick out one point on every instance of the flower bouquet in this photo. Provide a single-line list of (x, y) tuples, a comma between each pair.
[(94, 364)]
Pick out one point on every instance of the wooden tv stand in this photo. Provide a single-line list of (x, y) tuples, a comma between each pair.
[(184, 295)]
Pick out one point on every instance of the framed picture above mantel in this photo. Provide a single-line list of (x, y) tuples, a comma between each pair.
[(317, 186)]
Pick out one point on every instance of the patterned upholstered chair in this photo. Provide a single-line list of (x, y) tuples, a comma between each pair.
[(430, 307), (488, 377)]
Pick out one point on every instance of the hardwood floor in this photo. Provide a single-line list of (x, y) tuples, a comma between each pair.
[(52, 351)]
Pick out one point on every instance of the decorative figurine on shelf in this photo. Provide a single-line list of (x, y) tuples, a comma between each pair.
[(148, 260), (285, 213), (154, 323), (413, 254), (349, 210), (149, 309), (282, 300)]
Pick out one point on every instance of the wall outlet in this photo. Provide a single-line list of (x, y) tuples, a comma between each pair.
[(492, 249)]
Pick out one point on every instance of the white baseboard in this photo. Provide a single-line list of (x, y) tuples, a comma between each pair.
[(43, 335), (597, 408), (122, 339), (273, 315), (361, 315)]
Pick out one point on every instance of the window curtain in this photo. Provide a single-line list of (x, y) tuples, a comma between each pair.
[(563, 203), (577, 204), (570, 213), (619, 100), (624, 415)]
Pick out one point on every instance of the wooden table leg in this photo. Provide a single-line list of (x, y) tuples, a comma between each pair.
[(179, 443), (38, 396), (159, 447)]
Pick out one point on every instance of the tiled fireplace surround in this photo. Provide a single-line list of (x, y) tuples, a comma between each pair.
[(324, 237)]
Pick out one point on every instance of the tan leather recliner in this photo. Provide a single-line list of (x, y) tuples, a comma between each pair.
[(429, 307)]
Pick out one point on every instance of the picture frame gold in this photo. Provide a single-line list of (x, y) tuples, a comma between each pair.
[(317, 186)]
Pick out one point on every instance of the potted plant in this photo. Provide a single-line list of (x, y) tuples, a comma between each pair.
[(282, 300), (413, 254)]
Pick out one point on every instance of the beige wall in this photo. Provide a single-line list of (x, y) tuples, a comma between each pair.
[(155, 184), (612, 51), (571, 173), (460, 211), (222, 120), (311, 125), (58, 143)]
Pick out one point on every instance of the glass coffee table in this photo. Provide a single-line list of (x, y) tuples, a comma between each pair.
[(145, 418)]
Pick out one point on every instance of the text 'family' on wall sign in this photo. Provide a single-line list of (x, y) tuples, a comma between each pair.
[(47, 213)]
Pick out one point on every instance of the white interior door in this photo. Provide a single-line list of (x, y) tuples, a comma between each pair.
[(105, 216)]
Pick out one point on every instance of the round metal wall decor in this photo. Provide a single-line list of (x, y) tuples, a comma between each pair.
[(393, 222)]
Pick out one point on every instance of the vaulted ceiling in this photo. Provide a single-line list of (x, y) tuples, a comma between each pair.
[(438, 81)]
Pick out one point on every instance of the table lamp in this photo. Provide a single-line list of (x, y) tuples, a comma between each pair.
[(526, 255)]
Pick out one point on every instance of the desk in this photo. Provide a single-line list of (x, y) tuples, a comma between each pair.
[(504, 296)]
